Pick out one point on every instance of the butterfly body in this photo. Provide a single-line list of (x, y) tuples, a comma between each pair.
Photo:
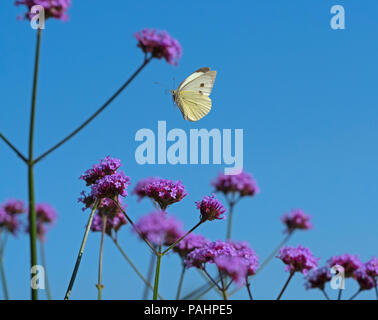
[(192, 95)]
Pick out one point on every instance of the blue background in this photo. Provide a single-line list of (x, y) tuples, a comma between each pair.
[(304, 94)]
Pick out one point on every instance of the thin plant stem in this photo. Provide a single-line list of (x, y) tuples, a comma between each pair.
[(43, 260), (224, 292), (94, 115), (2, 269), (147, 283), (19, 154), (273, 253), (179, 240), (81, 251), (211, 279), (286, 284), (157, 275), (325, 294), (32, 213), (150, 274), (355, 295), (339, 294), (181, 281), (248, 286), (231, 205), (100, 286), (135, 228)]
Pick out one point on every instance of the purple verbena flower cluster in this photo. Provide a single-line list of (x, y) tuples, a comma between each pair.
[(159, 228), (159, 44), (165, 192), (189, 243), (46, 216), (139, 188), (242, 184), (365, 281), (9, 212), (299, 259), (349, 262), (236, 259), (317, 278), (105, 182), (53, 8), (115, 218), (296, 219), (211, 208)]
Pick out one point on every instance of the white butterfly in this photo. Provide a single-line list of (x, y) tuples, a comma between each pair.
[(192, 95)]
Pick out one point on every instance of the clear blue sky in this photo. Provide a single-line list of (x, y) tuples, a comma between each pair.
[(305, 95)]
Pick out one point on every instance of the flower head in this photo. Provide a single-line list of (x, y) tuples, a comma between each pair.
[(8, 221), (365, 281), (235, 267), (349, 262), (107, 166), (9, 212), (115, 218), (211, 251), (189, 243), (159, 228), (298, 259), (46, 217), (242, 184), (317, 278), (14, 206), (111, 186), (53, 8), (105, 182), (372, 267), (139, 188), (165, 192), (211, 208), (159, 44), (45, 213), (296, 219)]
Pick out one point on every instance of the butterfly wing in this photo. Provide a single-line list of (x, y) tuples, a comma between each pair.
[(201, 80), (192, 95), (193, 105)]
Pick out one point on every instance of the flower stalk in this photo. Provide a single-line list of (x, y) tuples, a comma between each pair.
[(32, 213), (81, 252)]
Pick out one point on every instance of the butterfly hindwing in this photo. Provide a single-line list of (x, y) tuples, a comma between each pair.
[(192, 95), (194, 106)]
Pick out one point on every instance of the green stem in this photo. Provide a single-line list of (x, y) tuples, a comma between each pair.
[(100, 286), (43, 260), (157, 274), (13, 148), (273, 253), (147, 283), (179, 240), (224, 292), (2, 269), (32, 213), (230, 215), (286, 284), (150, 274), (248, 286), (355, 295), (181, 281), (135, 228), (80, 254), (94, 115), (325, 294)]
